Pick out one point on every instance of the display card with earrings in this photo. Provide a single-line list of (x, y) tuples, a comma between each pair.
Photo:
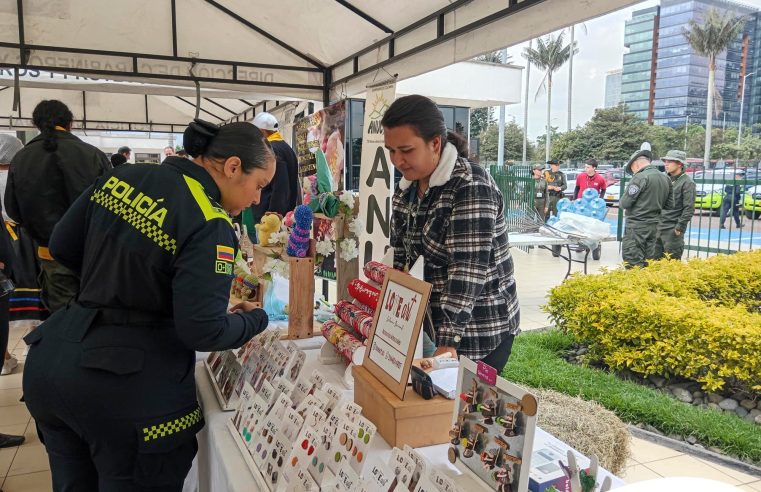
[(304, 386), (252, 419), (276, 455), (303, 454), (379, 477), (303, 482), (404, 468), (346, 479)]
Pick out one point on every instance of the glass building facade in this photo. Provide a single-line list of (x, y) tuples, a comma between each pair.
[(639, 63), (613, 88), (675, 87), (681, 84)]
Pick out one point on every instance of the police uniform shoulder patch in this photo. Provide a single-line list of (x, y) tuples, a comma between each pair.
[(224, 260), (633, 189)]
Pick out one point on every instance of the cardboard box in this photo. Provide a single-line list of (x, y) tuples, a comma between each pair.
[(413, 421)]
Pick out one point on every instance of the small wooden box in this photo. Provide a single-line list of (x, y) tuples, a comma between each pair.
[(412, 421)]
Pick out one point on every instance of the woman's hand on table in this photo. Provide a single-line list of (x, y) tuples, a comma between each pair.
[(244, 307)]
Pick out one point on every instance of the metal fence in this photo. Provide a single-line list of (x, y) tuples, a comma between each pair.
[(517, 186)]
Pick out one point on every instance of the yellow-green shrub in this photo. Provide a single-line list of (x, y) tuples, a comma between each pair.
[(700, 320)]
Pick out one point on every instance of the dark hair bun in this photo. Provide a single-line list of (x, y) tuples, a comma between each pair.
[(198, 135)]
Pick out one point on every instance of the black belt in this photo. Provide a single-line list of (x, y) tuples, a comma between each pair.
[(114, 316)]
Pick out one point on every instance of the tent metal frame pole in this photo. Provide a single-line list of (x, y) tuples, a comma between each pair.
[(365, 16), (441, 37), (21, 35), (202, 110), (79, 124), (174, 28), (114, 73), (152, 56), (264, 33), (215, 103)]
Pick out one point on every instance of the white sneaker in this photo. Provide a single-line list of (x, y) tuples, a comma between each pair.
[(9, 365)]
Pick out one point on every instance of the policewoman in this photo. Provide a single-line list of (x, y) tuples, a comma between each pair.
[(451, 212), (109, 379)]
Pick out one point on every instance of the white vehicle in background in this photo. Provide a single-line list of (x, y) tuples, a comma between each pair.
[(570, 179), (612, 194)]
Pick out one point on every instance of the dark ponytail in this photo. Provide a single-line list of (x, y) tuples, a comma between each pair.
[(240, 139), (48, 115), (425, 117)]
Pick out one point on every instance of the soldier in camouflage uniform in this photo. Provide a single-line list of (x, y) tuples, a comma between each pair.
[(647, 194), (556, 184), (540, 192), (675, 220)]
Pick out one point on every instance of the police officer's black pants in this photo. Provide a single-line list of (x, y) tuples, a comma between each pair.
[(115, 405)]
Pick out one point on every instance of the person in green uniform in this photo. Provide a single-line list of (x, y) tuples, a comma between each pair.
[(540, 192), (675, 219), (645, 197), (556, 185)]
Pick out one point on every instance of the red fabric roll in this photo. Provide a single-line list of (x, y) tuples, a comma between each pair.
[(360, 321), (364, 293), (376, 271)]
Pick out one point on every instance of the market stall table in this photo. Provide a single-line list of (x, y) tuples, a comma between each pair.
[(220, 465)]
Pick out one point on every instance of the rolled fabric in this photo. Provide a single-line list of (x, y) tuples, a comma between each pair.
[(363, 308), (364, 293), (346, 343), (376, 271), (360, 321)]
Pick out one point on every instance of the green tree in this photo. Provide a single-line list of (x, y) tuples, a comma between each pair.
[(710, 38), (480, 119), (549, 55), (513, 145), (663, 138)]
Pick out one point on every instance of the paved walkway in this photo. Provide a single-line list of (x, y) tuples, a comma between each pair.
[(25, 469)]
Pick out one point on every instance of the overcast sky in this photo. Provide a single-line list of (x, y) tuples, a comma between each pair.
[(601, 49)]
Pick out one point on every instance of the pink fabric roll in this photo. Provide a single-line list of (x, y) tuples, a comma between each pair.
[(376, 271), (364, 293), (359, 320)]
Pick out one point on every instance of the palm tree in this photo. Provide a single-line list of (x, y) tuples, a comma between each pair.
[(710, 38), (549, 55)]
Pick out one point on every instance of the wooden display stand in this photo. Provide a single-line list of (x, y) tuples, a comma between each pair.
[(301, 295), (413, 421)]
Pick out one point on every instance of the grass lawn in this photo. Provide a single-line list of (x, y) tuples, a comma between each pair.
[(537, 361)]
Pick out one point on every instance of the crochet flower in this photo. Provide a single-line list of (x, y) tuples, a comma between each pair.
[(325, 247), (357, 226), (279, 237), (347, 198), (349, 249)]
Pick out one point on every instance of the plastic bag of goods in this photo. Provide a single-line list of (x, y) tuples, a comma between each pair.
[(579, 225)]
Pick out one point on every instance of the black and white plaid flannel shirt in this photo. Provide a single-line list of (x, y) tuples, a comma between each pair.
[(461, 232)]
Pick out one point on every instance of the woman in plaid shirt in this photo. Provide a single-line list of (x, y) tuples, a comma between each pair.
[(452, 213)]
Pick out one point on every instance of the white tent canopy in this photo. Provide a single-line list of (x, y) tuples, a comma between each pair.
[(300, 49)]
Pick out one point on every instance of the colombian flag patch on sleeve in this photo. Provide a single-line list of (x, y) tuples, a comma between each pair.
[(225, 253)]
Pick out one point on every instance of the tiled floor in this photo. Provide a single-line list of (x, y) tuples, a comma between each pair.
[(25, 469)]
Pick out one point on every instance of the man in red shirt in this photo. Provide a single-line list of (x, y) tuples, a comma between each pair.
[(590, 179)]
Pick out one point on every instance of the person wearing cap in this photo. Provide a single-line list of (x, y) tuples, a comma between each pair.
[(125, 151), (282, 194), (645, 197), (733, 195), (109, 379), (44, 180), (556, 185), (118, 159), (590, 179), (675, 219), (540, 191)]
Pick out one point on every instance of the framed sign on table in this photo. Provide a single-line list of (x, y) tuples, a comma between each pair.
[(396, 330)]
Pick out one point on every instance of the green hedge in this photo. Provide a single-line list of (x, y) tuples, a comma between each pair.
[(700, 320)]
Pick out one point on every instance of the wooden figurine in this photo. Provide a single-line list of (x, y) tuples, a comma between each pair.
[(471, 398), (504, 478), (472, 442), (457, 430), (490, 458), (489, 408), (507, 421)]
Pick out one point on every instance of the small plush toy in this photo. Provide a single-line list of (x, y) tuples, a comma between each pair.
[(298, 242), (245, 287), (288, 220), (270, 223)]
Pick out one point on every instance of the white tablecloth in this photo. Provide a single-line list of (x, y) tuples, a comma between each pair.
[(219, 466)]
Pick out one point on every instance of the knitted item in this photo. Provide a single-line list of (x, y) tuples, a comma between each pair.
[(359, 320), (364, 293), (298, 242), (376, 271), (345, 342)]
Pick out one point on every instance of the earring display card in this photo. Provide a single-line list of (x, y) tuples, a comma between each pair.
[(292, 423), (314, 417), (334, 396), (492, 430), (404, 469), (277, 453), (304, 386), (380, 477), (284, 386), (309, 402), (252, 420), (302, 483), (303, 455), (318, 379), (347, 480), (244, 405), (294, 365)]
